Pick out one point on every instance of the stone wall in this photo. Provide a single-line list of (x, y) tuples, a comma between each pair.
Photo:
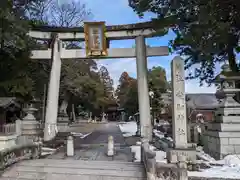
[(221, 140), (17, 153)]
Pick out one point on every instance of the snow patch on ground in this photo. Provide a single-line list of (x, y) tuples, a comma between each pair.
[(228, 168), (128, 129), (225, 172), (47, 151), (205, 156), (231, 160), (82, 136), (137, 152), (158, 134), (160, 155), (136, 149)]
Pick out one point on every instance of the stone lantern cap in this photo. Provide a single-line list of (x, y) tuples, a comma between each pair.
[(30, 110), (227, 80), (227, 74)]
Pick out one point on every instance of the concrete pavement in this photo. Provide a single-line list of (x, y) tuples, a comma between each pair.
[(94, 146)]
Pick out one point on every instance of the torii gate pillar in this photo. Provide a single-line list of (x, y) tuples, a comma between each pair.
[(50, 128), (143, 93)]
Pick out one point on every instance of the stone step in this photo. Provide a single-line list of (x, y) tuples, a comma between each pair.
[(49, 169), (56, 161), (86, 165), (68, 176), (40, 172), (4, 178)]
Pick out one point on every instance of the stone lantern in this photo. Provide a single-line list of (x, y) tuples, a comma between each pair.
[(227, 81), (222, 136), (30, 126), (62, 120)]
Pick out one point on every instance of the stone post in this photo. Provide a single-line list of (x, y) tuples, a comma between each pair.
[(110, 151), (138, 133), (18, 127), (143, 94), (179, 104), (53, 93), (70, 146)]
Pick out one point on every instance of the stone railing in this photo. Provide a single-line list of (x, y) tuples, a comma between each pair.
[(8, 129), (161, 171), (17, 153)]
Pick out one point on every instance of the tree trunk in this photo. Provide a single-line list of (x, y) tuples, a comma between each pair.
[(232, 59), (64, 104), (234, 67), (73, 113)]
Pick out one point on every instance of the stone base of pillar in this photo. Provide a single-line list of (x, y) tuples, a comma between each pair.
[(62, 118), (62, 122), (146, 132), (189, 153), (138, 133), (31, 130)]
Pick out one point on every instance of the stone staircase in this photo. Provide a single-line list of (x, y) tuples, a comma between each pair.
[(57, 169)]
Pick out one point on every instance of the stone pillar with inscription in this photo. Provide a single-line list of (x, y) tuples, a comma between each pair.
[(179, 119), (143, 94), (50, 128)]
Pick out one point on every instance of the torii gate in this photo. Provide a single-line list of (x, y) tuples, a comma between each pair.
[(97, 37)]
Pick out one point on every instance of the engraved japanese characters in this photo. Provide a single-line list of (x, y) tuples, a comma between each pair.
[(179, 106)]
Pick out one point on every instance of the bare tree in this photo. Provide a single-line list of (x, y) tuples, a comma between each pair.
[(68, 13), (64, 14)]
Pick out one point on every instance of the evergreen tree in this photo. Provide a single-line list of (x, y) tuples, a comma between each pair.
[(207, 31)]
